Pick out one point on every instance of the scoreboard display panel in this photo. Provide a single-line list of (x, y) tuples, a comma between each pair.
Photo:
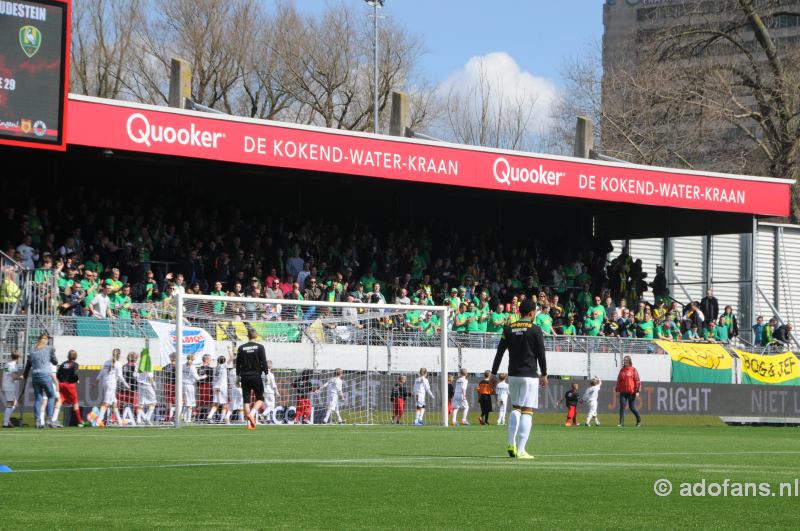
[(33, 72)]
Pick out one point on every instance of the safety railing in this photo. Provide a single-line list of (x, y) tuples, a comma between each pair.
[(27, 291), (364, 332)]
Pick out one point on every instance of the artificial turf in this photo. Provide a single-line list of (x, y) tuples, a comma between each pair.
[(394, 477)]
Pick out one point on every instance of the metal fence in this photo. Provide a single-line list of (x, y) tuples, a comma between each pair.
[(18, 327), (27, 291)]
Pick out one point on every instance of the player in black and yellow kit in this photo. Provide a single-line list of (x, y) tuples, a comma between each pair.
[(525, 344), (251, 363)]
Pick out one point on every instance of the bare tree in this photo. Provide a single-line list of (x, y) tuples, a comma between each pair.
[(249, 58), (213, 35), (328, 64), (267, 90), (484, 114), (103, 45), (580, 96)]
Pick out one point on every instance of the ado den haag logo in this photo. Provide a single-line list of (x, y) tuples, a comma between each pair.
[(193, 341), (39, 128), (30, 38)]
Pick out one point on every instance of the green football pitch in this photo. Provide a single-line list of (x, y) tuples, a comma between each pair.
[(396, 477)]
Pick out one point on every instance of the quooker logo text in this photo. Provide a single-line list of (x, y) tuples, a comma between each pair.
[(506, 173), (141, 131)]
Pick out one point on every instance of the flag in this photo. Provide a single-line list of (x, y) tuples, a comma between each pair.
[(773, 369), (195, 341), (699, 362)]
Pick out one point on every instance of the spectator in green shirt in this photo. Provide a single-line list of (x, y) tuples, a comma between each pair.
[(710, 332), (114, 283), (94, 264), (368, 280), (454, 301), (597, 307), (592, 325), (89, 286), (544, 321), (45, 272), (691, 334), (584, 300), (646, 328), (428, 324), (769, 330), (664, 330), (460, 322), (497, 320), (728, 320), (569, 329), (721, 331), (121, 303), (473, 325), (219, 306), (482, 311)]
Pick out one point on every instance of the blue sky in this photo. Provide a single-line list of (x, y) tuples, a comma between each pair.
[(537, 34), (520, 45)]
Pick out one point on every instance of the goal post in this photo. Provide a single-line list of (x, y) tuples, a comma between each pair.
[(375, 345)]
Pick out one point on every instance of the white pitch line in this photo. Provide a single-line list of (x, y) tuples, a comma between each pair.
[(648, 454), (230, 463), (408, 460)]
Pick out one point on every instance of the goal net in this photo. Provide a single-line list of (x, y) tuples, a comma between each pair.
[(331, 362)]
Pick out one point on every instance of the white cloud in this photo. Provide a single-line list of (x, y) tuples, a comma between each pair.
[(515, 85)]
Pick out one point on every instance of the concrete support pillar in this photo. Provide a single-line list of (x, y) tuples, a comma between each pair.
[(401, 114), (584, 137), (180, 83)]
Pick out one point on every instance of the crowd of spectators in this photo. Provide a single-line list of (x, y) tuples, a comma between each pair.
[(127, 263)]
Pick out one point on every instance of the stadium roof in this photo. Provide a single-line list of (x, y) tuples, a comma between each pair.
[(147, 129)]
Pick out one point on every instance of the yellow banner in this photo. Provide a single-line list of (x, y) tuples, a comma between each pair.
[(231, 331), (774, 369), (701, 355)]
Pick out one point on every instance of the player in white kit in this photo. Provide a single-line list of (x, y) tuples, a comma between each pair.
[(590, 397), (501, 389), (10, 388), (460, 397), (334, 390), (190, 378), (147, 389), (271, 394), (219, 385), (234, 392), (109, 377), (421, 390)]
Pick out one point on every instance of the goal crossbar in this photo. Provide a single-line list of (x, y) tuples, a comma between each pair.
[(181, 298)]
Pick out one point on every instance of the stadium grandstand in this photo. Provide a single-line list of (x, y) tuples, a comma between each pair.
[(162, 201), (148, 225)]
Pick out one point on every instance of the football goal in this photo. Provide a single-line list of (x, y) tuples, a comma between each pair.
[(330, 362)]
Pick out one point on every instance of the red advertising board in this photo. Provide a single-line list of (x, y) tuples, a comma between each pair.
[(159, 130)]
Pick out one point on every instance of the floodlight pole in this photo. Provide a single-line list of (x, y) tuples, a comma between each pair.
[(375, 5)]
